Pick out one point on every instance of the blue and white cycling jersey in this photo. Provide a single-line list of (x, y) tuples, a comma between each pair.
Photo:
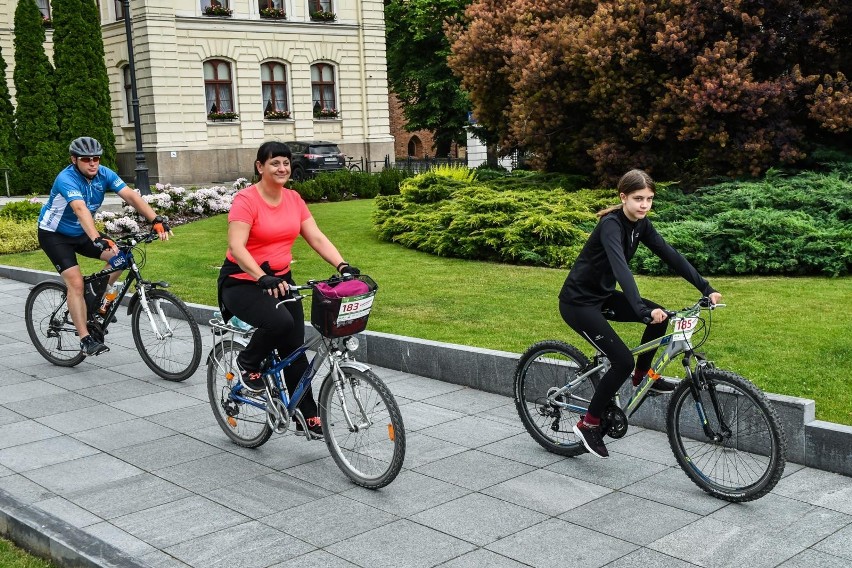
[(70, 185)]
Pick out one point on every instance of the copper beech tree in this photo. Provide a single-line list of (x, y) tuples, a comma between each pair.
[(680, 87)]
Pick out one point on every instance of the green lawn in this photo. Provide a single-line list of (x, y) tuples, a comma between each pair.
[(13, 557), (788, 335)]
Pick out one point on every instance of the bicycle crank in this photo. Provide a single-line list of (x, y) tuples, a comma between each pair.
[(614, 422)]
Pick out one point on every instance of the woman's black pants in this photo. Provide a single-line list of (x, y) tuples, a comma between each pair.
[(279, 326)]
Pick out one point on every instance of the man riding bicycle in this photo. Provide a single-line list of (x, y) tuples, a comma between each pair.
[(66, 226)]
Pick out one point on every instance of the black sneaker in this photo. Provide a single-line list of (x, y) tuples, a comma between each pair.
[(91, 346), (591, 438), (252, 381), (662, 386), (314, 427)]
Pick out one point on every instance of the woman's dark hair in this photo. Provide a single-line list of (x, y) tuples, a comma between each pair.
[(269, 150), (634, 180)]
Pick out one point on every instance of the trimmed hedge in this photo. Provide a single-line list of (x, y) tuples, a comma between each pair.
[(17, 236), (343, 184)]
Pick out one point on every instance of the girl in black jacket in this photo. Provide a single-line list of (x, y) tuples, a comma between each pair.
[(590, 289)]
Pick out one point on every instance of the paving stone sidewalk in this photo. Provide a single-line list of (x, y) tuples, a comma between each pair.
[(140, 463)]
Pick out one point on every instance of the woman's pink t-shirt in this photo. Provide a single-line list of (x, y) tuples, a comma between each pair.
[(273, 229)]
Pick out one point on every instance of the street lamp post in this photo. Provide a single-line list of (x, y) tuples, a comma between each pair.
[(142, 183)]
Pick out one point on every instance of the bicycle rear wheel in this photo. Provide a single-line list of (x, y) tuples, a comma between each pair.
[(49, 324), (543, 369), (748, 459), (371, 452), (176, 353), (244, 424)]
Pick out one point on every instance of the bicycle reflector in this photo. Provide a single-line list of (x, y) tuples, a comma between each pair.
[(391, 433)]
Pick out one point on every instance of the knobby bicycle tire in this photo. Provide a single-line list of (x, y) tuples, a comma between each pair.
[(45, 315), (372, 455), (748, 463), (546, 366), (175, 357), (248, 426)]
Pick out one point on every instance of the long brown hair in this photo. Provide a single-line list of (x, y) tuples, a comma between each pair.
[(634, 180)]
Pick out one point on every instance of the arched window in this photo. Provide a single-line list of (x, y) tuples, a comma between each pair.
[(218, 87), (128, 93), (415, 147), (273, 79), (322, 87)]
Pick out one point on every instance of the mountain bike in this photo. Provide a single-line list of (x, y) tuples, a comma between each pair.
[(722, 429), (164, 331), (362, 425)]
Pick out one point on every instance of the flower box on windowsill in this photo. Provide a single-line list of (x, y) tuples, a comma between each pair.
[(326, 114), (323, 16), (273, 14), (222, 116), (220, 11), (277, 115)]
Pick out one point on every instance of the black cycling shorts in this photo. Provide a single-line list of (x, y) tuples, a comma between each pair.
[(62, 250)]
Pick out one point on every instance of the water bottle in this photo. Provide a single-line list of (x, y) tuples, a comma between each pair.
[(118, 260), (239, 324), (109, 297)]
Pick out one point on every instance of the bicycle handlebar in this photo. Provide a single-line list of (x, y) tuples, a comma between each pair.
[(703, 303), (309, 285)]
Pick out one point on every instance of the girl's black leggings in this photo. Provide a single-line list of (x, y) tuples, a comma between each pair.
[(589, 322), (279, 327)]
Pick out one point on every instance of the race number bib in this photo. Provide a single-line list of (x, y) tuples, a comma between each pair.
[(354, 308), (684, 328)]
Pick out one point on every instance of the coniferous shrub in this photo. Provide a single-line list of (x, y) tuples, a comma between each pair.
[(39, 155), (779, 225), (82, 85)]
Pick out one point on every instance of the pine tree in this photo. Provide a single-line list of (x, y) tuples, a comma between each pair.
[(39, 155), (7, 132), (82, 85)]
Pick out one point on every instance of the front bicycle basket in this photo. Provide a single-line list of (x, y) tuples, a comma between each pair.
[(342, 308)]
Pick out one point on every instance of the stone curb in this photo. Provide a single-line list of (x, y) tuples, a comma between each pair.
[(814, 443), (57, 541)]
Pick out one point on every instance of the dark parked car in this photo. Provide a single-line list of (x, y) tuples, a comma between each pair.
[(312, 156)]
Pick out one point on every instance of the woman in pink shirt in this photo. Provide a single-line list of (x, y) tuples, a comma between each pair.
[(263, 224)]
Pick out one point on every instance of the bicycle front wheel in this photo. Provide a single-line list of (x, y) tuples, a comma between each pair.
[(244, 424), (49, 325), (747, 456), (545, 368), (362, 426), (168, 341)]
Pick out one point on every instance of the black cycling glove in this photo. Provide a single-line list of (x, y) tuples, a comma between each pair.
[(269, 283), (346, 269), (159, 225), (103, 243)]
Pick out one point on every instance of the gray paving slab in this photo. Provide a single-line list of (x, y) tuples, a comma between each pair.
[(340, 518), (400, 545), (540, 544), (140, 463)]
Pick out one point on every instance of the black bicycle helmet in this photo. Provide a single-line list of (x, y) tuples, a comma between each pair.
[(85, 146)]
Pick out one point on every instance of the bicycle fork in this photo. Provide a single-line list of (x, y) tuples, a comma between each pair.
[(151, 320), (339, 387), (696, 385)]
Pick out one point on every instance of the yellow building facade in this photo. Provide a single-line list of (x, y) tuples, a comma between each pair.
[(216, 78)]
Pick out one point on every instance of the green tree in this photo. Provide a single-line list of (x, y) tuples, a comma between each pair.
[(7, 132), (417, 51), (39, 155), (82, 84), (680, 87)]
